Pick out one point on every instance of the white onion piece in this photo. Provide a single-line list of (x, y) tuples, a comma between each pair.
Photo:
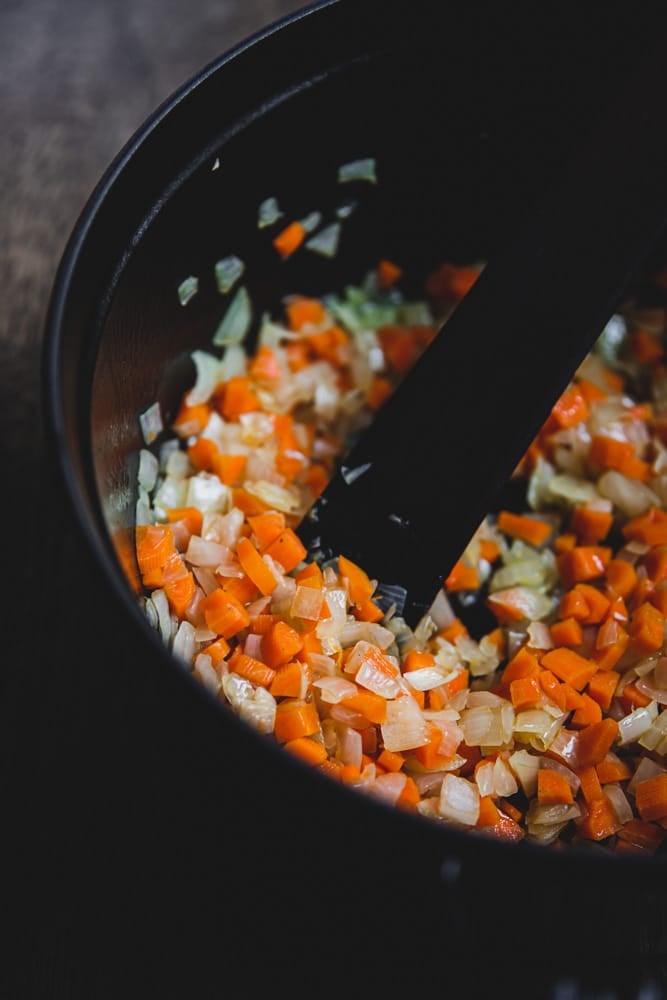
[(427, 678), (335, 689), (201, 552), (631, 496), (307, 603), (205, 672), (484, 778), (208, 372), (165, 623), (388, 787), (655, 734), (405, 727), (549, 764), (619, 801), (631, 726), (184, 644), (441, 611), (459, 800), (353, 631), (525, 766), (658, 694), (350, 748), (647, 768)]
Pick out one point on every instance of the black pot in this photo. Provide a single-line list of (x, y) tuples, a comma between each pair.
[(470, 114)]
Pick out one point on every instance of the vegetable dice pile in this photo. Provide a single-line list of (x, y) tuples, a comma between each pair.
[(549, 725)]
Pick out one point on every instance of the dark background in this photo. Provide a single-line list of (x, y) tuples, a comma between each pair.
[(124, 869)]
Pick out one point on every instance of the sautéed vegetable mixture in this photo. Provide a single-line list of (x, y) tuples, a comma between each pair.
[(549, 727)]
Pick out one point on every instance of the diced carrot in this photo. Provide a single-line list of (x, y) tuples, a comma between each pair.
[(529, 529), (224, 613), (649, 528), (621, 577), (254, 567), (489, 550), (388, 273), (266, 527), (360, 586), (202, 453), (391, 760), (612, 769), (217, 650), (246, 502), (495, 822), (601, 821), (288, 680), (399, 347), (596, 740), (645, 346), (592, 393), (609, 453), (154, 546), (295, 717), (429, 755), (553, 688), (410, 795), (368, 612), (569, 666), (379, 391), (229, 468), (573, 604), (642, 834), (191, 517), (553, 788), (659, 598), (289, 239), (316, 479), (525, 692), (590, 786), (301, 311), (651, 797), (191, 420), (451, 632), (287, 549), (647, 629), (265, 366), (307, 749), (587, 712), (372, 706), (602, 687), (238, 397), (567, 632), (417, 659), (462, 577), (253, 670), (655, 563), (583, 563), (570, 409), (598, 604), (590, 524), (280, 644), (573, 698), (631, 697), (607, 657), (240, 587), (523, 664), (564, 542), (179, 585)]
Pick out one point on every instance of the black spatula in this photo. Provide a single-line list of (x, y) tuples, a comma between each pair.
[(415, 487)]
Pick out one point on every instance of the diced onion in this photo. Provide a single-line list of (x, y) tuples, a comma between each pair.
[(236, 322), (459, 800)]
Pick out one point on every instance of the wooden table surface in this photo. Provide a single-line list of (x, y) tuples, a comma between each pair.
[(113, 882)]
